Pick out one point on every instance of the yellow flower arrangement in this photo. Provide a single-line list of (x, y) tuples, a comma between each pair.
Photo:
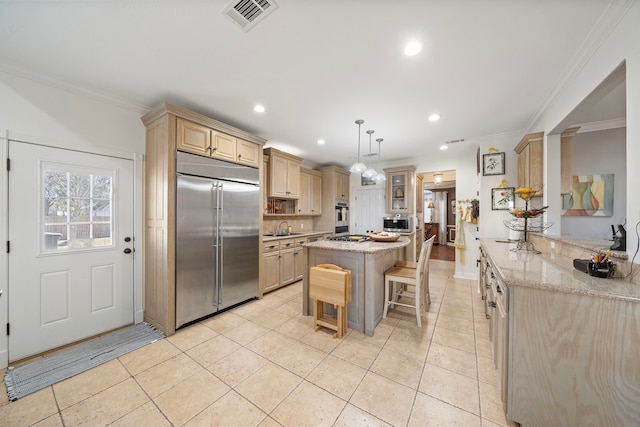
[(525, 193)]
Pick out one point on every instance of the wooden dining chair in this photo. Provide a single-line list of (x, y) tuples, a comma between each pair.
[(412, 264), (405, 278)]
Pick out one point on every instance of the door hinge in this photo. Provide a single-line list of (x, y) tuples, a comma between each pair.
[(8, 246), (8, 164), (7, 328)]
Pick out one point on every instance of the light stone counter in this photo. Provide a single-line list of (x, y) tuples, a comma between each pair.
[(548, 271), (368, 247)]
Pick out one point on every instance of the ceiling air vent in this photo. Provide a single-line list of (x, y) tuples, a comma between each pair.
[(248, 13)]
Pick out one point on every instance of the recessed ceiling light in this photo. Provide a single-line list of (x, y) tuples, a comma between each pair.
[(321, 142), (444, 146), (412, 48), (434, 117), (259, 108)]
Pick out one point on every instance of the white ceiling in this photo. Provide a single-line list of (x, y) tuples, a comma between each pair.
[(487, 67)]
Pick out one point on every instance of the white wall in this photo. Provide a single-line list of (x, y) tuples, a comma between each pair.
[(594, 153), (69, 119), (60, 117), (620, 46)]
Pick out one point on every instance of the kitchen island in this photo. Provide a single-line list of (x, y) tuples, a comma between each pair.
[(565, 343), (367, 262)]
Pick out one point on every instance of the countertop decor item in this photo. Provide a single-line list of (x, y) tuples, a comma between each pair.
[(384, 237), (523, 216)]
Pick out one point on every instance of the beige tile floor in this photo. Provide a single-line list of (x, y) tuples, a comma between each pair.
[(261, 364)]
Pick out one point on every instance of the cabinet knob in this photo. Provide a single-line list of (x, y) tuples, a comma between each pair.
[(239, 156), (492, 304)]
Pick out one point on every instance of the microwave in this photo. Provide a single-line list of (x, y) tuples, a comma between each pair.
[(398, 223)]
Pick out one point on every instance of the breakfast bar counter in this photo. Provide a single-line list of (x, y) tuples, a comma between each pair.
[(565, 343), (367, 262)]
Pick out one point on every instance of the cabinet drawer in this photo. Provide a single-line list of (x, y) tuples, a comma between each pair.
[(300, 241), (287, 244), (271, 246)]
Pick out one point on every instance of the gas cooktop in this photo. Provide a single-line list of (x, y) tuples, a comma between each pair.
[(350, 238)]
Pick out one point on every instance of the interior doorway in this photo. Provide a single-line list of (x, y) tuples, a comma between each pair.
[(439, 209)]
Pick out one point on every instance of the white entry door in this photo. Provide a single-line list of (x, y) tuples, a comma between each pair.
[(70, 246), (368, 211)]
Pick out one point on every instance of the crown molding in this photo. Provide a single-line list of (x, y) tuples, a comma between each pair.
[(125, 103), (602, 125), (609, 20)]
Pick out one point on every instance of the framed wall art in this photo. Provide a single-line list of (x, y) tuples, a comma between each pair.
[(502, 198), (493, 164)]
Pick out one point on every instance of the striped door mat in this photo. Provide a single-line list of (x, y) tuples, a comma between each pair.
[(33, 376)]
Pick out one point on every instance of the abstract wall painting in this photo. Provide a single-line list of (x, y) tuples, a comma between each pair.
[(592, 195)]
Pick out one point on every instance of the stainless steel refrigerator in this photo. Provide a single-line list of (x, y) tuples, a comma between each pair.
[(217, 236)]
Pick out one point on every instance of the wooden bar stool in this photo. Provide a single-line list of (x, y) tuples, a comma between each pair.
[(331, 284)]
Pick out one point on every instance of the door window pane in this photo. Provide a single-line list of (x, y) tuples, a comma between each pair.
[(77, 208)]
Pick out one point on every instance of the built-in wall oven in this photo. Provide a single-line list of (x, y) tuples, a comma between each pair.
[(342, 218), (399, 223)]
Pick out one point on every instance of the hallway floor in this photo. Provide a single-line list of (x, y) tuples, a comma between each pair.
[(261, 364)]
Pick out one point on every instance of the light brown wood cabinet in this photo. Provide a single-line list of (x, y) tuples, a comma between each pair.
[(335, 188), (310, 202), (271, 269), (284, 262), (299, 263), (170, 128), (284, 174), (419, 194), (342, 185), (566, 160), (530, 161), (401, 189), (561, 355), (201, 139)]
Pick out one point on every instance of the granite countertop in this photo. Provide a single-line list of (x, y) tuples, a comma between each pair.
[(363, 247), (293, 236), (544, 271), (588, 244)]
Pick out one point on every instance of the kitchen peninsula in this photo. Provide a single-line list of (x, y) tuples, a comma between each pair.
[(367, 262), (565, 343)]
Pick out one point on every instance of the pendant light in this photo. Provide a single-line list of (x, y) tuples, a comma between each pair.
[(358, 167), (381, 176), (370, 172)]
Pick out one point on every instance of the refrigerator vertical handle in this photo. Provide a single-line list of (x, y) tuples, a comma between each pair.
[(220, 242), (216, 247)]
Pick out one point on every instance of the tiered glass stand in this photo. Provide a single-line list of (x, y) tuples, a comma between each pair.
[(525, 226)]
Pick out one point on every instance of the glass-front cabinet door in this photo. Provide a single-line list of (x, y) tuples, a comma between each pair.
[(400, 190)]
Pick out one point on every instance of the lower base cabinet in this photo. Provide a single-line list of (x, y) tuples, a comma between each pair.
[(284, 263)]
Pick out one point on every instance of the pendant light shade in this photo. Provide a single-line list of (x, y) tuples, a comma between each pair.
[(358, 167), (370, 172)]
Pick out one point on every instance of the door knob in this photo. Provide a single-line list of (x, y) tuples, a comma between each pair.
[(127, 239), (127, 251)]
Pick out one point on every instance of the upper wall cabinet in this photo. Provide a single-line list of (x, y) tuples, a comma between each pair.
[(310, 202), (530, 161), (566, 160), (283, 175), (419, 194), (200, 139), (400, 186)]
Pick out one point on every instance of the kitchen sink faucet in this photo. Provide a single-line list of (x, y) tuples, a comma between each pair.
[(286, 230)]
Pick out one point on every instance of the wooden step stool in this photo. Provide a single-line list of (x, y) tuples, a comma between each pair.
[(331, 284)]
